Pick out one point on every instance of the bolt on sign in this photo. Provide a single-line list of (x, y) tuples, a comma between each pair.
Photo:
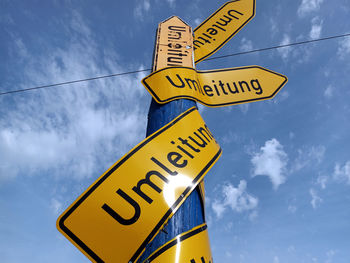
[(214, 88), (123, 210), (174, 44), (221, 26), (189, 247)]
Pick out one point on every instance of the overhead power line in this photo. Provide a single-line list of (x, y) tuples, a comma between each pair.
[(279, 46), (75, 81), (145, 70)]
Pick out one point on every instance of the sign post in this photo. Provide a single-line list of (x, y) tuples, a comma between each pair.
[(174, 47)]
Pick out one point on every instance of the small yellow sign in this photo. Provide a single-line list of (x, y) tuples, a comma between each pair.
[(123, 210), (190, 247), (221, 26), (214, 88), (173, 44)]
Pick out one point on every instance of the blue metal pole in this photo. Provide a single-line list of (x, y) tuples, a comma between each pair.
[(191, 212)]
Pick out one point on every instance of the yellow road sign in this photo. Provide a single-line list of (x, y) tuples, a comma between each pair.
[(122, 211), (190, 247), (214, 88), (173, 44), (221, 26)]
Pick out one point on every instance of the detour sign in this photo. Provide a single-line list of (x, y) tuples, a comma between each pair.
[(221, 26), (122, 211), (214, 88)]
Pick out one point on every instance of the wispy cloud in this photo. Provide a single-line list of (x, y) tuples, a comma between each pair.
[(56, 206), (330, 255), (196, 22), (236, 198), (72, 130), (342, 173), (292, 209), (271, 161), (316, 28), (142, 7), (309, 6), (246, 45), (285, 51), (307, 156), (171, 2), (244, 108), (273, 26), (322, 181), (282, 96), (315, 199), (344, 48), (329, 91)]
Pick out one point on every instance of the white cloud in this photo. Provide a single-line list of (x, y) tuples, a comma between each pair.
[(271, 161), (316, 28), (282, 96), (328, 93), (344, 48), (291, 135), (196, 22), (142, 7), (342, 173), (276, 259), (291, 249), (20, 48), (273, 26), (253, 215), (171, 2), (230, 137), (76, 130), (309, 6), (246, 45), (6, 19), (244, 108), (330, 254), (322, 181), (56, 206), (307, 156), (285, 51), (238, 199), (315, 199), (292, 209)]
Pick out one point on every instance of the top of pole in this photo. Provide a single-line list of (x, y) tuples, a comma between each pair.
[(173, 44)]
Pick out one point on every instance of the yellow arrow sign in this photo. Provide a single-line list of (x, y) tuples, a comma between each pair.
[(173, 44), (221, 26), (214, 88), (190, 247), (122, 211)]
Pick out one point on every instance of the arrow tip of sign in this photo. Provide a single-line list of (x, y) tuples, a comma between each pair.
[(173, 18)]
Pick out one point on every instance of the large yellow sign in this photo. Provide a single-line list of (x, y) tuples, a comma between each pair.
[(190, 247), (221, 26), (214, 88), (122, 211)]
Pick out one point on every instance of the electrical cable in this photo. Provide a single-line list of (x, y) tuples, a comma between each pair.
[(144, 70), (279, 46), (75, 81)]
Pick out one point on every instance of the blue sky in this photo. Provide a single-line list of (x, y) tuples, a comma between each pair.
[(281, 190)]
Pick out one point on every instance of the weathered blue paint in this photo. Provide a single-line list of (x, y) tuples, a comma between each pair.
[(190, 214)]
